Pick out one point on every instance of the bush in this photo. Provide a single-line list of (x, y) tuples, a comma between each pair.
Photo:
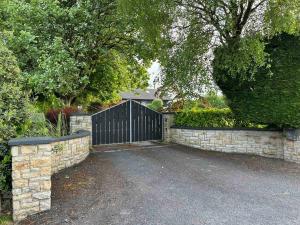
[(214, 101), (36, 126), (205, 118), (269, 98), (13, 110), (156, 105), (60, 118)]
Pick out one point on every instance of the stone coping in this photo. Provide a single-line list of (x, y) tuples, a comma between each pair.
[(226, 128), (47, 140)]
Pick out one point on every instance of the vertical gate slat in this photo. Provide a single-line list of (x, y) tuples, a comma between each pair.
[(128, 121), (94, 134), (98, 128)]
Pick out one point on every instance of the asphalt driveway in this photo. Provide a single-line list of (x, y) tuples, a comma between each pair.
[(174, 185)]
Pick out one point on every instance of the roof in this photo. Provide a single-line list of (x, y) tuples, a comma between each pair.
[(139, 94)]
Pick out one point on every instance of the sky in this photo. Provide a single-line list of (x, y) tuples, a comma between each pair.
[(154, 72)]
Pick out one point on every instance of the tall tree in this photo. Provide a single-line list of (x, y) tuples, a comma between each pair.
[(184, 34), (60, 45)]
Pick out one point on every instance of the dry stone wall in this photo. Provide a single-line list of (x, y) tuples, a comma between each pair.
[(34, 160)]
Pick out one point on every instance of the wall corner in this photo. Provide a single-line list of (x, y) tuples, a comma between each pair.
[(291, 145), (168, 122)]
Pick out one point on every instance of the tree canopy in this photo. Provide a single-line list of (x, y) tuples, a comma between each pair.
[(64, 47), (184, 34)]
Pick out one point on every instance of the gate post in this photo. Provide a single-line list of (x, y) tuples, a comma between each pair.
[(168, 122)]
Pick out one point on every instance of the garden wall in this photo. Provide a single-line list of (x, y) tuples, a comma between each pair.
[(80, 121), (273, 144), (34, 160)]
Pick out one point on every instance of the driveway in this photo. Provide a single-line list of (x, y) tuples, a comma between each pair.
[(174, 185)]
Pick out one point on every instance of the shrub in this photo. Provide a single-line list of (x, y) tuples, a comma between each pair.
[(60, 118), (214, 101), (269, 98), (35, 126), (13, 110), (205, 118), (156, 105)]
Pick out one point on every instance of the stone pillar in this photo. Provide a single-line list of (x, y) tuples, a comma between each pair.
[(168, 122), (80, 122), (31, 179), (291, 145)]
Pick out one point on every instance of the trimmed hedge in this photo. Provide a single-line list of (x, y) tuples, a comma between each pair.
[(268, 99), (212, 118)]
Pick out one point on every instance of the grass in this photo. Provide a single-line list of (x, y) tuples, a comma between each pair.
[(5, 220)]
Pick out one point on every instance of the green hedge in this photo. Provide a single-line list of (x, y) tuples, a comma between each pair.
[(213, 118), (272, 99)]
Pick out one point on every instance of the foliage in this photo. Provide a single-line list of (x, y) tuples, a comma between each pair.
[(184, 34), (114, 74), (13, 110), (283, 16), (45, 104), (156, 105), (60, 128), (65, 47), (35, 126), (212, 118), (94, 107), (52, 114), (5, 168), (6, 220), (205, 118), (59, 120), (213, 100), (273, 96), (209, 101)]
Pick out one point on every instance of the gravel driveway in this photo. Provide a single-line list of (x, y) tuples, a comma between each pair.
[(174, 185)]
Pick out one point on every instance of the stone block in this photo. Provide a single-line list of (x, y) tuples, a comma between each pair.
[(41, 162), (21, 165), (45, 204), (42, 195), (20, 183), (28, 150), (15, 151)]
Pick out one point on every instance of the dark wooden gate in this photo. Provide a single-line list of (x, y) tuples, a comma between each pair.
[(127, 122)]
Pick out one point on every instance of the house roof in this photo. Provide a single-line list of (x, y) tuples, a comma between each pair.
[(139, 94)]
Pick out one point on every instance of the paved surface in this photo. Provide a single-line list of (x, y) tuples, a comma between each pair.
[(174, 185)]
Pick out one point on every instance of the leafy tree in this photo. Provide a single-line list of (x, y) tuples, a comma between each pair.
[(184, 34), (62, 46), (13, 109), (114, 74)]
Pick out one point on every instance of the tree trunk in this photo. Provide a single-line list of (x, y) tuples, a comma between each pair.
[(69, 101)]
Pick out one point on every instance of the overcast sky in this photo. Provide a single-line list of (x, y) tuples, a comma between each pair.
[(154, 71)]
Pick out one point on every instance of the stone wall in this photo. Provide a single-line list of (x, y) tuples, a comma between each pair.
[(291, 146), (168, 121), (264, 143), (80, 122), (273, 144), (34, 160)]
